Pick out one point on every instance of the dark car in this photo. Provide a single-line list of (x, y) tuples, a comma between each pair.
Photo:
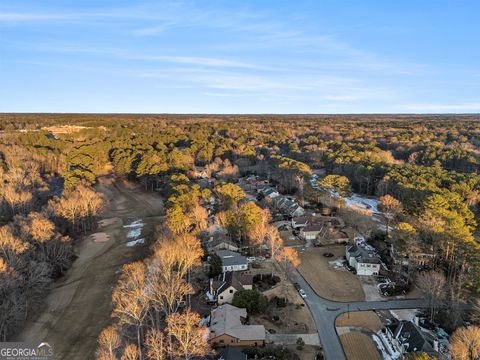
[(297, 286)]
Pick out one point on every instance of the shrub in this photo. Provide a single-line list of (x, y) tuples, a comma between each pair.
[(252, 300)]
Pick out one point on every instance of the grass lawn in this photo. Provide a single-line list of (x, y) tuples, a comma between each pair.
[(330, 283), (358, 346), (364, 319)]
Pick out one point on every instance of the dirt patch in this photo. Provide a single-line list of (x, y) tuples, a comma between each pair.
[(79, 305), (100, 237), (363, 319), (291, 319), (294, 318), (358, 346), (328, 282)]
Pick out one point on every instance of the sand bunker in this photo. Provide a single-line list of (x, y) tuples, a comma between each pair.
[(107, 222), (100, 237)]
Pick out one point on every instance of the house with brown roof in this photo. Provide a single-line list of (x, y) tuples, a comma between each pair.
[(228, 328), (223, 288), (310, 232)]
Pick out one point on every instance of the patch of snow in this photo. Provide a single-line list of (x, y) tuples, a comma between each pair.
[(380, 340), (135, 242), (134, 233), (135, 224), (337, 264), (136, 230)]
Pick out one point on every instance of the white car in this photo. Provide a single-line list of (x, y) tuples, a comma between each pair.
[(251, 259), (302, 293)]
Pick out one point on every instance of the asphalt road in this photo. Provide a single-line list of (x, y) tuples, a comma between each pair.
[(324, 313)]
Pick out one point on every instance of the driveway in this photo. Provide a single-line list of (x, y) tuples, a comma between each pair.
[(324, 313), (291, 339)]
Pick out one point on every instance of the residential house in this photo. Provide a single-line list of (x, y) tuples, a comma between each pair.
[(232, 261), (255, 182), (288, 206), (221, 241), (406, 337), (269, 192), (301, 221), (363, 258), (223, 288), (314, 219), (231, 353), (310, 232), (228, 327)]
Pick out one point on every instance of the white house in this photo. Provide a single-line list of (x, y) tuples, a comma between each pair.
[(223, 288), (232, 261), (364, 259), (269, 192)]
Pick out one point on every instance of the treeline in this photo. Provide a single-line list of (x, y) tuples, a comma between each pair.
[(427, 163), (151, 310), (39, 220)]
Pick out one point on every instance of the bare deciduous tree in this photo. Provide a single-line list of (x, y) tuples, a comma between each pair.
[(157, 345), (466, 343), (108, 342), (189, 337), (130, 301), (131, 352), (432, 285)]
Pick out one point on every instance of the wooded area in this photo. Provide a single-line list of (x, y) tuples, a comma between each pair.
[(424, 169)]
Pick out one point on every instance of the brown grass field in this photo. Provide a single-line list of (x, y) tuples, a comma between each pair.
[(330, 283), (364, 319), (358, 346)]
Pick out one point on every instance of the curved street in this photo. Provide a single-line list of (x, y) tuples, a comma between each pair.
[(324, 313)]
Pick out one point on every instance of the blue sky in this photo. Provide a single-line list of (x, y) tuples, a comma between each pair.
[(255, 56)]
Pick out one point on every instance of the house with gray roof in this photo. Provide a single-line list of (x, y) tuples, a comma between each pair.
[(406, 337), (363, 258), (288, 206), (232, 261), (231, 353), (224, 286), (269, 192), (228, 327)]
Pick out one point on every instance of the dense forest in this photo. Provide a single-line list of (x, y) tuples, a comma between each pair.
[(425, 168)]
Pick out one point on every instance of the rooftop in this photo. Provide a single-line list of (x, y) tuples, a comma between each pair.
[(363, 254), (227, 319), (230, 258), (231, 278)]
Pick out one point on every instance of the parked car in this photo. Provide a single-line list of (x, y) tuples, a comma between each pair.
[(302, 293), (251, 259), (297, 286)]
